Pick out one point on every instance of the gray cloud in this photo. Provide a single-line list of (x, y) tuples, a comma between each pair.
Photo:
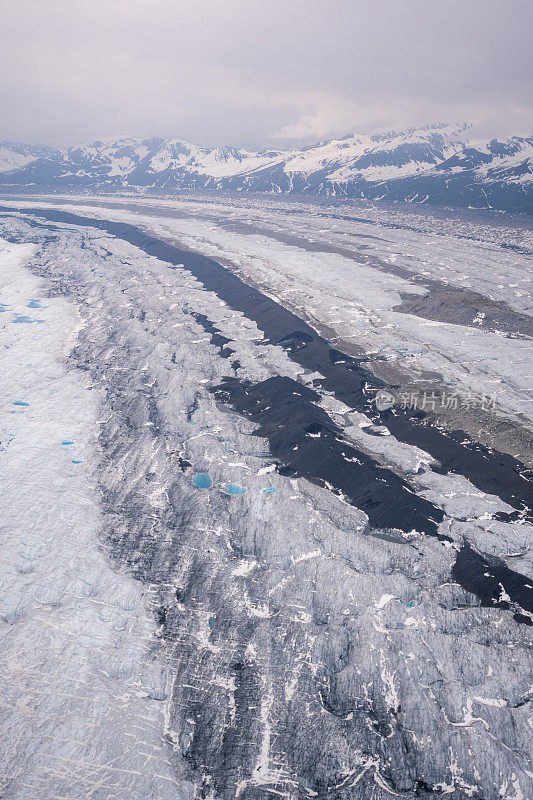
[(261, 73)]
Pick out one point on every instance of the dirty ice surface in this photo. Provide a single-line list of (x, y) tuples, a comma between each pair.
[(307, 653)]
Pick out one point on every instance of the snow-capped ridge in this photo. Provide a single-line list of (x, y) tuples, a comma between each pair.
[(436, 163)]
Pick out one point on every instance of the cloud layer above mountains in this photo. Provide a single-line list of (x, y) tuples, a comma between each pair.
[(260, 73)]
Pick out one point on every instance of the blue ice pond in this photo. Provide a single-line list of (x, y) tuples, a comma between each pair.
[(20, 318), (270, 490), (202, 480), (411, 604), (19, 403), (232, 488), (3, 308), (67, 441), (34, 304), (212, 622), (77, 462)]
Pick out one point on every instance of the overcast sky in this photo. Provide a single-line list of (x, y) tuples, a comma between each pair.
[(261, 72)]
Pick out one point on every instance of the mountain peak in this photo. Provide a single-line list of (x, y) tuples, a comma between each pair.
[(435, 163)]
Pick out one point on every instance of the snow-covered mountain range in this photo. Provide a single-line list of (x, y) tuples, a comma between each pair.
[(436, 165)]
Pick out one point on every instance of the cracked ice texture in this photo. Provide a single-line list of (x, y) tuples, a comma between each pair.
[(299, 663), (82, 696)]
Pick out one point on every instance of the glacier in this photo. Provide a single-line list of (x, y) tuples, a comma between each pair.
[(82, 690), (169, 637)]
